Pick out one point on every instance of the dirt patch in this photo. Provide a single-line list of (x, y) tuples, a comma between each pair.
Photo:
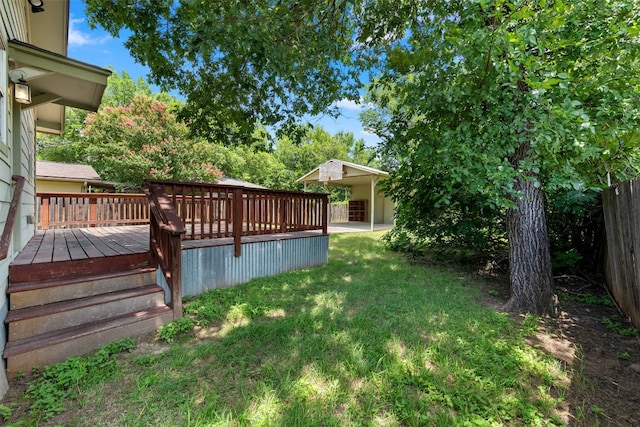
[(592, 340)]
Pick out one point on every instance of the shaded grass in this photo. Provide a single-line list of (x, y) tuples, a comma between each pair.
[(369, 339)]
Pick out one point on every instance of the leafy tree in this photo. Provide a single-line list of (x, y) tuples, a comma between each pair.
[(499, 100), (121, 89), (64, 148), (229, 56), (264, 169), (128, 144), (490, 105), (315, 147)]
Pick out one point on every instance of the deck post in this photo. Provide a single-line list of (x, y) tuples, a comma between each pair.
[(176, 276), (325, 213), (237, 221)]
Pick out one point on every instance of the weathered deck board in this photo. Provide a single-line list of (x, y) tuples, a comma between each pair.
[(44, 252), (75, 248), (106, 243), (87, 246), (29, 252), (132, 238), (60, 247)]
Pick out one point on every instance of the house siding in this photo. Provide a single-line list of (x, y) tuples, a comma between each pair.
[(17, 156)]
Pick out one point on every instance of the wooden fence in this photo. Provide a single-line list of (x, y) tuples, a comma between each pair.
[(70, 210), (621, 205), (339, 212)]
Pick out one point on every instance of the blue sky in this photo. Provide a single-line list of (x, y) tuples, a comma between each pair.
[(97, 47)]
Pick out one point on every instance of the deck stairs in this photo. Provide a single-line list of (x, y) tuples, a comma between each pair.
[(62, 309)]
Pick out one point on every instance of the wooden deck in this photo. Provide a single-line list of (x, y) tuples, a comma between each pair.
[(83, 244), (77, 244), (103, 242)]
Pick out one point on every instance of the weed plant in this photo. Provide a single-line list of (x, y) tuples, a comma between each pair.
[(588, 299), (54, 385), (617, 327)]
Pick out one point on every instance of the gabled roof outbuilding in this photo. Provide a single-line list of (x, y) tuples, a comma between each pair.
[(341, 172)]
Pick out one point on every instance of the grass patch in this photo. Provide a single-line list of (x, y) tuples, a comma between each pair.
[(368, 339)]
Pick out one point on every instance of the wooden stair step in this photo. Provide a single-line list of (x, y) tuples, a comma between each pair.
[(50, 283), (29, 294), (59, 315), (52, 347)]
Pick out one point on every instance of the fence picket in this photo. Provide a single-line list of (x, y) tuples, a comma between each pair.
[(621, 205)]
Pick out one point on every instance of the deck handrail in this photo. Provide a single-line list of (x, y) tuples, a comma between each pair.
[(60, 209), (165, 233), (217, 210), (5, 240)]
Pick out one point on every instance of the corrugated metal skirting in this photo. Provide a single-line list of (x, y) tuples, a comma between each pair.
[(209, 268)]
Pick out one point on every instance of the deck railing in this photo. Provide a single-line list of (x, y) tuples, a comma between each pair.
[(215, 211), (5, 240), (165, 232), (72, 210)]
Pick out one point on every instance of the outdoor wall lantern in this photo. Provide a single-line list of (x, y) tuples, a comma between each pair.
[(36, 6), (21, 90)]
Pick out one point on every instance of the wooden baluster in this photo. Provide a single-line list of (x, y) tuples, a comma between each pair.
[(218, 210), (284, 212), (237, 220), (93, 212), (44, 213)]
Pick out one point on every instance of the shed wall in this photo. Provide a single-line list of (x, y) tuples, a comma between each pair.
[(383, 205)]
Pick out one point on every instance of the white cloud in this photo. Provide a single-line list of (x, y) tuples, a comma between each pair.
[(77, 38), (348, 104)]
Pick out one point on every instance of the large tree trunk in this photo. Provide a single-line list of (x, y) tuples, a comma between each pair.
[(531, 278)]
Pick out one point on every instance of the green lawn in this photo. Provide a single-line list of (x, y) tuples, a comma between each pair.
[(369, 339)]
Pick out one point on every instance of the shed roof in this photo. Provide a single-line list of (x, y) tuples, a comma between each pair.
[(238, 182), (66, 171), (352, 173)]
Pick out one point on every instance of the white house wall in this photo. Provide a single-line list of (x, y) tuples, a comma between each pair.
[(19, 161)]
